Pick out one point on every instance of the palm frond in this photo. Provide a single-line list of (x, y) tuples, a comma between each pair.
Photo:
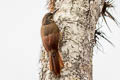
[(99, 46), (99, 34), (105, 13), (113, 18), (106, 23)]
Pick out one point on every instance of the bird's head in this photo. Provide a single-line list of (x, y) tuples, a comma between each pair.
[(48, 18)]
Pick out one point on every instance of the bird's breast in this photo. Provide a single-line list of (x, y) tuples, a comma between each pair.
[(50, 29)]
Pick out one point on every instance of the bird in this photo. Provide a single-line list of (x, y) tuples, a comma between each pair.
[(50, 35)]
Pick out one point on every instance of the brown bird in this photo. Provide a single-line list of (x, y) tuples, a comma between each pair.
[(50, 37)]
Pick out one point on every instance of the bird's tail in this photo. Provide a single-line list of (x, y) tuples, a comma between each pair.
[(55, 62)]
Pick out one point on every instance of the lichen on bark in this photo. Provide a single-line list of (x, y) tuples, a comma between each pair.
[(77, 22)]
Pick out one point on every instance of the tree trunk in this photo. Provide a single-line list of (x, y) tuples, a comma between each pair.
[(77, 21)]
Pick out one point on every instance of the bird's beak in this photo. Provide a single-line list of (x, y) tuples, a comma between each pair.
[(55, 11)]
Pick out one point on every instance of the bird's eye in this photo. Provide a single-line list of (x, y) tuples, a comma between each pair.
[(51, 19)]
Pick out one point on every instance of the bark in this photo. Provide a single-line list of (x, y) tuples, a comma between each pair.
[(77, 21)]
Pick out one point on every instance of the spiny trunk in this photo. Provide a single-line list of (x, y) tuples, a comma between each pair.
[(77, 21)]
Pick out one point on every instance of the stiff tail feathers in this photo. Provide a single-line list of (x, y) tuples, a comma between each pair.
[(56, 63)]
